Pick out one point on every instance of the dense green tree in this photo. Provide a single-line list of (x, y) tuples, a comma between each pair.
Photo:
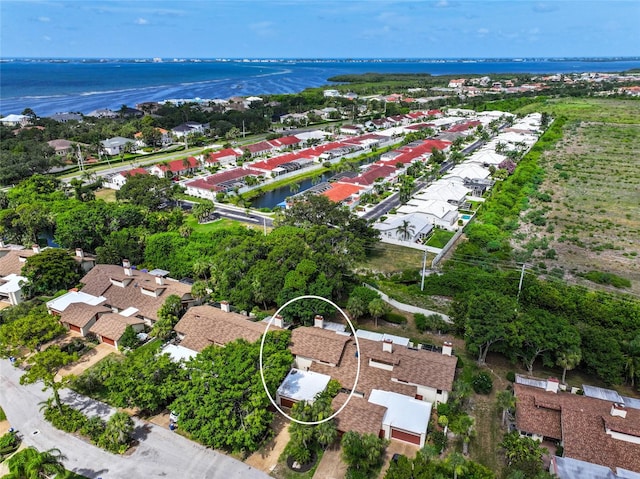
[(541, 334), (224, 404), (51, 270), (84, 225), (147, 191), (489, 319), (523, 453), (44, 367), (30, 330)]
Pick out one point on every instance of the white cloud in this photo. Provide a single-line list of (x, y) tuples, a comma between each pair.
[(46, 38), (44, 19), (141, 21), (442, 4), (483, 31)]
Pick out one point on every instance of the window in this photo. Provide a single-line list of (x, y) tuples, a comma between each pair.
[(439, 391)]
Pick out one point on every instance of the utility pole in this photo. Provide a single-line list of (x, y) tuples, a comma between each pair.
[(265, 225), (424, 268), (521, 279)]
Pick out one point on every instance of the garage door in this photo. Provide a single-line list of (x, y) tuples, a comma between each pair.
[(75, 328), (108, 341), (405, 436), (284, 402)]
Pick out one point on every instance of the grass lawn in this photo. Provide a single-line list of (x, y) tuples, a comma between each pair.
[(439, 238), (217, 225), (389, 258), (106, 194), (588, 109)]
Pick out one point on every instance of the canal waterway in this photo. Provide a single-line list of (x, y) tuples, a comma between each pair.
[(271, 199)]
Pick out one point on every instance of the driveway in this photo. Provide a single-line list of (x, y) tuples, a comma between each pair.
[(266, 458), (331, 465), (160, 453), (397, 447), (87, 360)]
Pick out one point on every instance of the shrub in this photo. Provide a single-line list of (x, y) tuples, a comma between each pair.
[(482, 383), (439, 440), (443, 409), (511, 377), (93, 428), (395, 318), (67, 420), (606, 278), (433, 322)]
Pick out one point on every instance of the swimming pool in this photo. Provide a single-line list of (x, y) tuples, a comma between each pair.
[(466, 217)]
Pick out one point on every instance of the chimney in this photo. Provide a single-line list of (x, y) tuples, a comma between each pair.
[(447, 348), (618, 410), (127, 267), (159, 280), (79, 253), (552, 385), (387, 346), (318, 321), (224, 306), (278, 321), (35, 248)]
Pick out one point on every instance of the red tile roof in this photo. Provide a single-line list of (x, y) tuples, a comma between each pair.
[(176, 166), (370, 176), (258, 147), (464, 126), (227, 152), (276, 161), (135, 171), (285, 141), (341, 191)]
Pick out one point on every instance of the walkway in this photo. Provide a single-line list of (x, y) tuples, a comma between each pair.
[(408, 308)]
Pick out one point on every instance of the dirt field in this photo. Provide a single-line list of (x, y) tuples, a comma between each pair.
[(586, 216)]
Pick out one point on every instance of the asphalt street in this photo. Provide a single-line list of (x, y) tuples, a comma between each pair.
[(160, 453)]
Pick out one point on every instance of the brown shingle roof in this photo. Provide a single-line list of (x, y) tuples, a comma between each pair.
[(10, 263), (318, 344), (112, 325), (98, 283), (359, 415), (582, 421), (206, 325), (79, 314), (411, 366)]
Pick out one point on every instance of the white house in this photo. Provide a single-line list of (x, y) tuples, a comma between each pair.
[(440, 213), (11, 289), (449, 191), (116, 145), (15, 120), (405, 419), (419, 227)]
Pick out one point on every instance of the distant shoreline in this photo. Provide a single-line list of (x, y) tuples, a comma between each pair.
[(50, 86)]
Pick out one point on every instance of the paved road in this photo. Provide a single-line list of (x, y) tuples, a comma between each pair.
[(161, 453)]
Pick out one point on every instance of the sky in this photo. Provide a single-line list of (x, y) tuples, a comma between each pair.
[(319, 28)]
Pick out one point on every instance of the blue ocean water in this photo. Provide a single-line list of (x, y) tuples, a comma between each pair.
[(78, 85)]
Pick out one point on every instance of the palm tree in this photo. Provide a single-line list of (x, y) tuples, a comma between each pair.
[(457, 463), (506, 401), (326, 433), (203, 210), (406, 230), (33, 464), (294, 188), (377, 309), (632, 359), (200, 290), (568, 360)]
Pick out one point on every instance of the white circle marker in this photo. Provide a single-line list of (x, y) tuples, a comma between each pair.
[(264, 383)]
